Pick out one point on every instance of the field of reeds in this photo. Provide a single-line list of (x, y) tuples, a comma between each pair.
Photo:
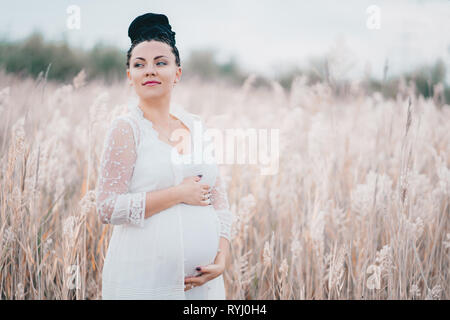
[(359, 208)]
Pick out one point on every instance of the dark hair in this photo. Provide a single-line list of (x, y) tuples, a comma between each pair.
[(159, 37)]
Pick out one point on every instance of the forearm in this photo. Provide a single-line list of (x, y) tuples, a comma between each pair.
[(223, 253), (159, 200)]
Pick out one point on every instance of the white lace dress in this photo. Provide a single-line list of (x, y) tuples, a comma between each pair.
[(149, 258)]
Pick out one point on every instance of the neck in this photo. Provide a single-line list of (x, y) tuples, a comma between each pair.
[(156, 111)]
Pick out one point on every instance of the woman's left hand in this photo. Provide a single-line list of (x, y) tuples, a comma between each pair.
[(213, 270), (208, 273)]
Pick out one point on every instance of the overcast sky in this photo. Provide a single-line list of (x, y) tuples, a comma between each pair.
[(264, 35)]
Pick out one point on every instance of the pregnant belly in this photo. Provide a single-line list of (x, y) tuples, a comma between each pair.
[(200, 236)]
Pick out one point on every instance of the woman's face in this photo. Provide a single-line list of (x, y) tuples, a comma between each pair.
[(153, 61)]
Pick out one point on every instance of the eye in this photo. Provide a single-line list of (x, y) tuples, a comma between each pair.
[(137, 64), (162, 62)]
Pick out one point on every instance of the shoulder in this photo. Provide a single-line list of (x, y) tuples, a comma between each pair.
[(181, 109), (120, 123), (195, 116), (124, 126)]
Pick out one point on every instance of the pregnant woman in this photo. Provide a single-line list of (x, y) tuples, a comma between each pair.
[(170, 213)]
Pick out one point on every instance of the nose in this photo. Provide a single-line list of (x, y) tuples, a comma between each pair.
[(150, 69)]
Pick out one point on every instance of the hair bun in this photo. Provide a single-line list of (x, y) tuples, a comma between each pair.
[(151, 25)]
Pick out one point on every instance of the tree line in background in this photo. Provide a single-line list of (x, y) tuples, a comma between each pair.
[(59, 61)]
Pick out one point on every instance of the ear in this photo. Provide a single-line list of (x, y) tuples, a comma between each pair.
[(178, 75), (129, 77)]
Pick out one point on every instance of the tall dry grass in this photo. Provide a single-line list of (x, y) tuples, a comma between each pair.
[(358, 210)]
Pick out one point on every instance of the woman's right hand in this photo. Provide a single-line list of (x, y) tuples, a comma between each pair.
[(194, 193)]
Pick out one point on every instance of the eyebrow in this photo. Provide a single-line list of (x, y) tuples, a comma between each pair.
[(153, 58)]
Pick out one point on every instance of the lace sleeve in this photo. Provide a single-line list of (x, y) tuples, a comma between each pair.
[(219, 200), (114, 204)]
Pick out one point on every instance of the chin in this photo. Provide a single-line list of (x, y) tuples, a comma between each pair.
[(149, 95)]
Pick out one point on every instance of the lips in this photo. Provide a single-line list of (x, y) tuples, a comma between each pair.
[(151, 83)]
